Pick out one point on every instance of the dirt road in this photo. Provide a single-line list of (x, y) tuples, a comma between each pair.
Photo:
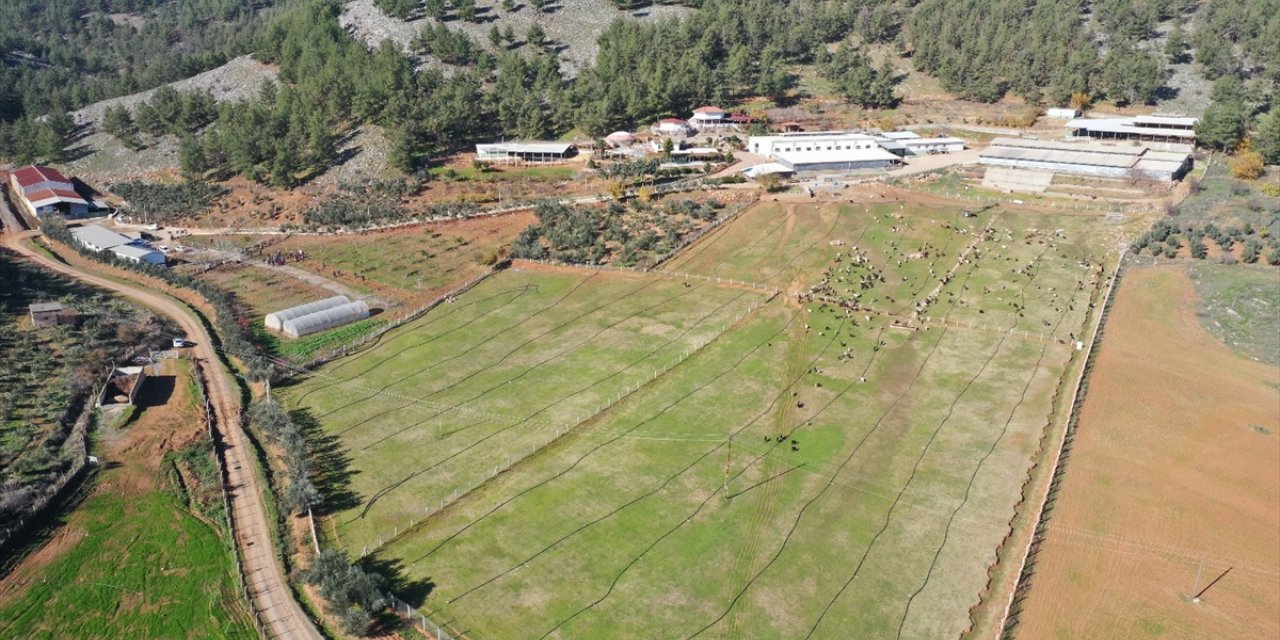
[(272, 599)]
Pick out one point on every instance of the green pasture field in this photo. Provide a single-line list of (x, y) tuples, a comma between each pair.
[(437, 405), (412, 261), (1238, 305), (143, 567), (815, 471)]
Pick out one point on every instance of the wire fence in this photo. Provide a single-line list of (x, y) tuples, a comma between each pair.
[(561, 431), (368, 338), (419, 620), (1018, 595), (690, 239), (75, 451), (677, 275)]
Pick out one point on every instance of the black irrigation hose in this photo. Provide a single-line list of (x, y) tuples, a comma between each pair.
[(522, 291), (545, 360), (451, 358), (888, 518), (599, 381), (385, 490), (714, 270), (562, 325), (601, 445), (800, 516), (806, 250), (768, 409), (848, 386), (946, 533), (411, 401), (707, 242)]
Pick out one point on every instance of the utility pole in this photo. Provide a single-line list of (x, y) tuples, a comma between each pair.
[(1196, 598)]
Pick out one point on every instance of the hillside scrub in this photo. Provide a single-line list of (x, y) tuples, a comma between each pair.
[(164, 202), (625, 234)]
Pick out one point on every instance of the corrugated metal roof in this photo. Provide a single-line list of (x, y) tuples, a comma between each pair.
[(1127, 126), (900, 135), (841, 155), (524, 147), (131, 251), (1167, 120), (51, 196), (924, 141), (35, 174), (99, 237), (45, 307)]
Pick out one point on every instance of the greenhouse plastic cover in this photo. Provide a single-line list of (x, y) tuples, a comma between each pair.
[(326, 319), (276, 320)]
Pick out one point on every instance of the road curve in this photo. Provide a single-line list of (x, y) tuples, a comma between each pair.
[(279, 612)]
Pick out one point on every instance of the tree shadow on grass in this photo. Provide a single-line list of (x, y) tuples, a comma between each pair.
[(332, 465), (414, 592)]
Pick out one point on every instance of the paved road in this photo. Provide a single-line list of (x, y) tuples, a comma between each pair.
[(272, 598)]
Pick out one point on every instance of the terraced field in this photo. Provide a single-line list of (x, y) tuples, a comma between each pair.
[(844, 458)]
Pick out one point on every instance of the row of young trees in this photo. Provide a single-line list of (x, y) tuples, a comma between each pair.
[(1167, 238)]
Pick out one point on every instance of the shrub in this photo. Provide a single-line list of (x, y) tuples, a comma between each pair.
[(1247, 166), (165, 202)]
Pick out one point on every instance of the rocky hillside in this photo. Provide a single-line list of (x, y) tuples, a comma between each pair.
[(574, 25)]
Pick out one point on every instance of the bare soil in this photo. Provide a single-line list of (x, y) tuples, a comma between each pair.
[(1176, 463)]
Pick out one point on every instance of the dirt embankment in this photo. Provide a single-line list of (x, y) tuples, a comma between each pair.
[(1174, 477)]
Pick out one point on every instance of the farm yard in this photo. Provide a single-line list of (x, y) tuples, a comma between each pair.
[(144, 555), (597, 446), (1165, 491)]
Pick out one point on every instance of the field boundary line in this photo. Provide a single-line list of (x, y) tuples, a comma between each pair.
[(1016, 595), (563, 431), (670, 275), (358, 344)]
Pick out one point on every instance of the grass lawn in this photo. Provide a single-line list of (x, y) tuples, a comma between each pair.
[(134, 560), (143, 567), (1238, 305), (480, 383), (811, 470)]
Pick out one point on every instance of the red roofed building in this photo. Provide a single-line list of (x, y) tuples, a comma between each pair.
[(44, 190)]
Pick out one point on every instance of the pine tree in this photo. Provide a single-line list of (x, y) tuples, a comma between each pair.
[(536, 36), (1223, 125), (1266, 139), (191, 159)]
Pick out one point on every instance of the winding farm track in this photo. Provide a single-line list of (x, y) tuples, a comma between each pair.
[(279, 613)]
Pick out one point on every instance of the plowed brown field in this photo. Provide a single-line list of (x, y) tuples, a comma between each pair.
[(1177, 458)]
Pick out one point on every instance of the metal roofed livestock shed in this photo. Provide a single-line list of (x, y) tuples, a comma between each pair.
[(325, 319), (133, 253), (1104, 160), (838, 160), (97, 238), (506, 152), (1162, 128), (276, 320)]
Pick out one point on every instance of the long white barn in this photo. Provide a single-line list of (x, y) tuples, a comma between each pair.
[(810, 141)]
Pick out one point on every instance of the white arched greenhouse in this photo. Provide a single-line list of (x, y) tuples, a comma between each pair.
[(325, 319), (276, 320)]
